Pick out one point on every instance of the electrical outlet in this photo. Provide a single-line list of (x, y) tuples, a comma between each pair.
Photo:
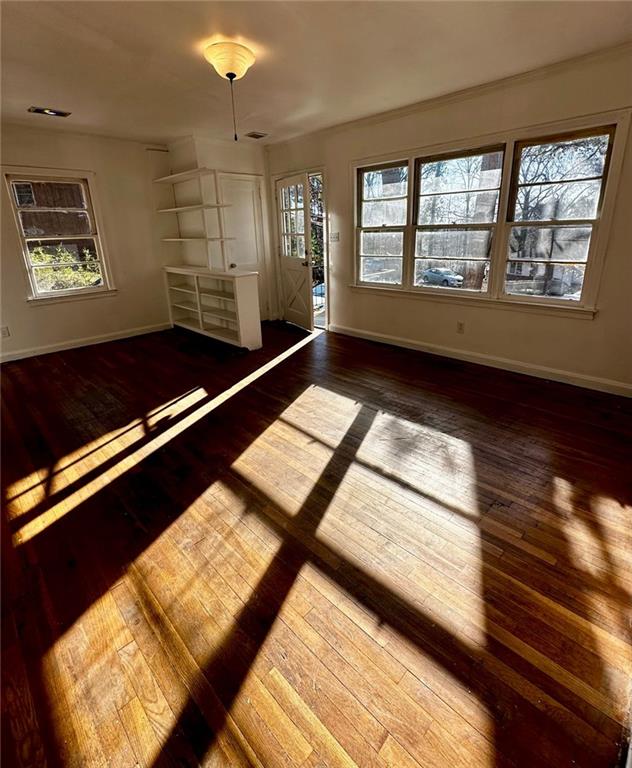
[(4, 331), (460, 327), (334, 237)]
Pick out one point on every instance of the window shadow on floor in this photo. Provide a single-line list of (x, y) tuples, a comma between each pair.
[(543, 483)]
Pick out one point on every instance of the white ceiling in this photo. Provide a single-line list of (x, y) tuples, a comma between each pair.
[(134, 69)]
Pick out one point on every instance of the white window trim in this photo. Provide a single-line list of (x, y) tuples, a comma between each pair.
[(34, 173), (495, 295)]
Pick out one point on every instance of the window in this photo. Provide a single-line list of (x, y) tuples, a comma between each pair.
[(293, 221), (59, 237), (465, 227), (382, 215), (555, 203), (457, 208)]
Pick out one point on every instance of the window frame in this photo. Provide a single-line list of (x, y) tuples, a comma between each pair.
[(26, 174), (510, 222), (617, 120), (403, 228), (418, 162)]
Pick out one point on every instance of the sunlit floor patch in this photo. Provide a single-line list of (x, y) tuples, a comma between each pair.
[(133, 457)]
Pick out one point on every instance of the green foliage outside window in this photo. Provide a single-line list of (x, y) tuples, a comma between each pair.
[(65, 266)]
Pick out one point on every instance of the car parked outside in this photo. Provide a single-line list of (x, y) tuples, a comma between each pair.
[(442, 276)]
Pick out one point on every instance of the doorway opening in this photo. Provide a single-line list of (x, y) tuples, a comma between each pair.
[(302, 249), (317, 248)]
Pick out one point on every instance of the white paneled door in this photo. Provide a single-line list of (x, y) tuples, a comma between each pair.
[(293, 208), (243, 220)]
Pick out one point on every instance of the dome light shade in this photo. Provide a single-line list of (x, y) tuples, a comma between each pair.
[(229, 59)]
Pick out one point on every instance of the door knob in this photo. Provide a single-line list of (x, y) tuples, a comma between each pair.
[(306, 263)]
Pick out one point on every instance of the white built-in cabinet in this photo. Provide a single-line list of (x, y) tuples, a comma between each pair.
[(222, 305), (207, 292)]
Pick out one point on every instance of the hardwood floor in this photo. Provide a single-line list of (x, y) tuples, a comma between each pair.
[(359, 556)]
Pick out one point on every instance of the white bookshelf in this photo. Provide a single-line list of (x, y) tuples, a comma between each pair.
[(223, 305), (204, 233)]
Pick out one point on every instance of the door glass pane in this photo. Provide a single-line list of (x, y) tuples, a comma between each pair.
[(453, 243), (292, 196), (386, 182), (381, 270), (462, 174), (568, 200), (381, 243), (54, 223), (554, 243), (447, 273), (300, 241), (529, 278), (560, 160), (297, 221), (299, 195), (459, 208), (387, 213)]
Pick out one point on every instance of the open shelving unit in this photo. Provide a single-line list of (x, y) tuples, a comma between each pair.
[(221, 305), (211, 233), (208, 296)]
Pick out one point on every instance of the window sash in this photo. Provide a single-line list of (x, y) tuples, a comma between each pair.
[(25, 240), (511, 222), (608, 130), (384, 229), (479, 226)]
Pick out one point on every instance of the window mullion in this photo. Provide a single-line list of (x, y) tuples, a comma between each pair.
[(409, 232), (501, 230)]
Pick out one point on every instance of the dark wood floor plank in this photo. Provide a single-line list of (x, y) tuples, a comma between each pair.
[(367, 556)]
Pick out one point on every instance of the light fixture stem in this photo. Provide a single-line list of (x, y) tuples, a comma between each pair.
[(232, 99)]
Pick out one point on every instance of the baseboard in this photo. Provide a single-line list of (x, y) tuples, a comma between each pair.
[(83, 342), (540, 371)]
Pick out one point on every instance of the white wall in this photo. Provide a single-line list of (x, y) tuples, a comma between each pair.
[(132, 230), (594, 352)]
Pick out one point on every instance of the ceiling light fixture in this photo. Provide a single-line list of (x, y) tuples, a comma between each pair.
[(232, 61), (48, 111)]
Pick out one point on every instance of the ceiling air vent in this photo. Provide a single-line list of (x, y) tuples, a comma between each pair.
[(49, 111), (256, 135)]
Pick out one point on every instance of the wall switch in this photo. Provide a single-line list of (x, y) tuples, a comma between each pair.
[(334, 237), (4, 331), (460, 327)]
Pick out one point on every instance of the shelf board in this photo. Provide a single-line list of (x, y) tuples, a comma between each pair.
[(215, 332), (199, 207), (210, 274), (217, 294), (219, 332), (192, 239), (188, 305), (193, 173), (224, 314), (183, 288)]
